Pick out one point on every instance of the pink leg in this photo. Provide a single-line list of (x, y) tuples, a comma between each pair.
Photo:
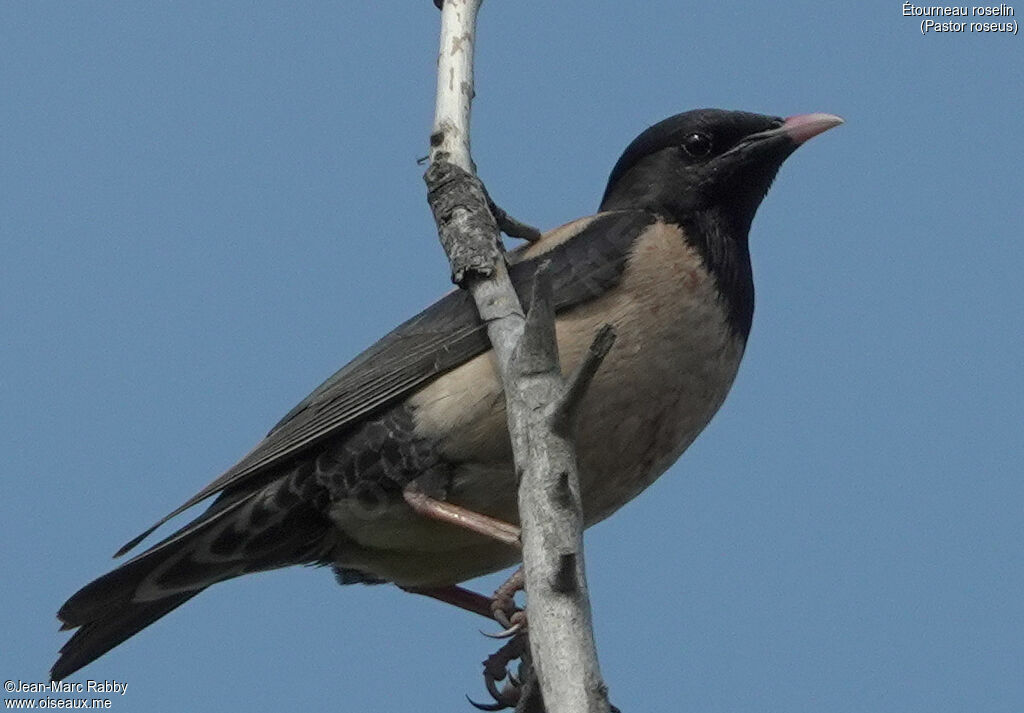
[(457, 515), (458, 596)]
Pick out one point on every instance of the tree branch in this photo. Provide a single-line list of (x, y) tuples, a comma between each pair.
[(540, 405)]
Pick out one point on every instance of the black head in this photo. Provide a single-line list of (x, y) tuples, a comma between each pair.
[(708, 159), (708, 171)]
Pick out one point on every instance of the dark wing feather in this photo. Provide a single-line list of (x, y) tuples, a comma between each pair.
[(443, 336)]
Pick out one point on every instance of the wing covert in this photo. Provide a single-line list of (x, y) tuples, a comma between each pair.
[(443, 336)]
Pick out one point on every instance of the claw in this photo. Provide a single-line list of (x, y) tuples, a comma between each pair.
[(486, 706), (508, 633), (496, 669), (492, 688), (507, 697)]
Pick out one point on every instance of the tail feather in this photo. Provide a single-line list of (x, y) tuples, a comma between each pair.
[(99, 636), (264, 530)]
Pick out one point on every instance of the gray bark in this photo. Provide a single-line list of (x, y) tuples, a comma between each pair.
[(541, 403)]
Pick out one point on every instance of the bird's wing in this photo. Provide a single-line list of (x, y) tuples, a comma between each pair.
[(586, 261)]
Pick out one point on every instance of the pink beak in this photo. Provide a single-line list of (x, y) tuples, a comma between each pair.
[(805, 126)]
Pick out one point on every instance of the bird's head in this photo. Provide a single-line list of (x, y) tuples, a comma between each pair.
[(708, 159)]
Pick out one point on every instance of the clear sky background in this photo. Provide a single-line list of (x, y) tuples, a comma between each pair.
[(206, 208)]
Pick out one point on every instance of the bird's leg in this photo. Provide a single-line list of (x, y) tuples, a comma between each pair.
[(485, 525), (501, 606), (458, 596)]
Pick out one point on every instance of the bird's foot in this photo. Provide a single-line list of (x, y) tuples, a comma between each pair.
[(522, 690), (504, 608), (496, 670)]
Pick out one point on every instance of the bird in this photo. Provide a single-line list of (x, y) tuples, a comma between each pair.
[(665, 261)]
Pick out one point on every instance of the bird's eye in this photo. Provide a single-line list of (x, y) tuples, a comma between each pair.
[(697, 145)]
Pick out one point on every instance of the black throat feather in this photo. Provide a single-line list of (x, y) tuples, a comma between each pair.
[(724, 249)]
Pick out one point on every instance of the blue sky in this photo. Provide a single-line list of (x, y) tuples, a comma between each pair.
[(206, 208)]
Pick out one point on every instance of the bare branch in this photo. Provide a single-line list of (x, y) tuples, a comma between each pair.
[(537, 351), (561, 641), (512, 227), (563, 418), (465, 225)]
